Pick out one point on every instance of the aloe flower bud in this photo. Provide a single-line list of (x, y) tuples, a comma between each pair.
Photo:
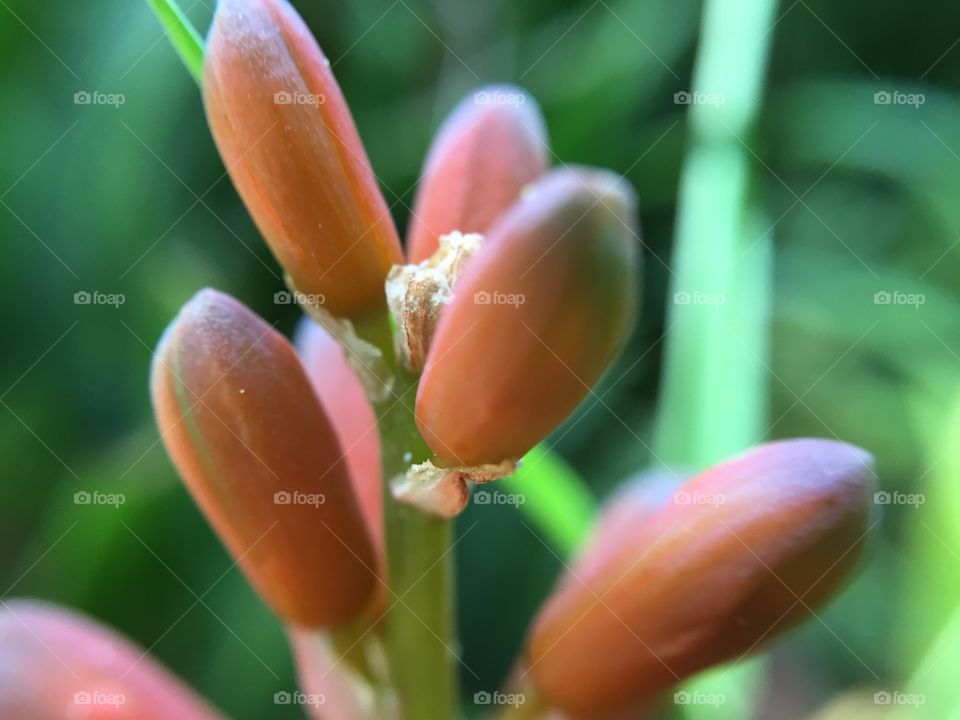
[(257, 452), (537, 315), (56, 664), (290, 145), (739, 554), (487, 150)]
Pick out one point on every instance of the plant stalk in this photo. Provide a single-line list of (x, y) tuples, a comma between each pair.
[(420, 624)]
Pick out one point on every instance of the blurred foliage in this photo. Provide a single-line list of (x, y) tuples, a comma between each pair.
[(132, 199)]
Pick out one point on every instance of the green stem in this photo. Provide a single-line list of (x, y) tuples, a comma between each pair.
[(420, 624), (421, 643), (713, 402), (183, 36)]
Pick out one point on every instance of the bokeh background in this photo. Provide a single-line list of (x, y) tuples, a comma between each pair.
[(130, 198)]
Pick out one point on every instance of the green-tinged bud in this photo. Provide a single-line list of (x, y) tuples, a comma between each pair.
[(247, 433)]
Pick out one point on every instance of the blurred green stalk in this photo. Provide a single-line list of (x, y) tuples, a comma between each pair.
[(183, 36), (714, 400)]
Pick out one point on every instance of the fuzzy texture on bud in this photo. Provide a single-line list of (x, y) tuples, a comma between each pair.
[(288, 140), (246, 431)]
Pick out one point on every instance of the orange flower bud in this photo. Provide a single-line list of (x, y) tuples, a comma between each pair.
[(537, 315), (739, 554), (351, 413), (492, 145), (246, 432), (56, 664), (290, 145)]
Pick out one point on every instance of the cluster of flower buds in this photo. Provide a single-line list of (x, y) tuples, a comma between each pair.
[(520, 289), (542, 273)]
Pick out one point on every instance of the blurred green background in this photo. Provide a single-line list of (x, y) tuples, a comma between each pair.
[(130, 198)]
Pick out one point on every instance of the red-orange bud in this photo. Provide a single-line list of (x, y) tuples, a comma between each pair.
[(491, 146), (537, 315), (738, 554), (56, 664), (288, 140), (257, 452)]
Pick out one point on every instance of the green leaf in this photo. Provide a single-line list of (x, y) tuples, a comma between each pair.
[(184, 37), (554, 498)]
